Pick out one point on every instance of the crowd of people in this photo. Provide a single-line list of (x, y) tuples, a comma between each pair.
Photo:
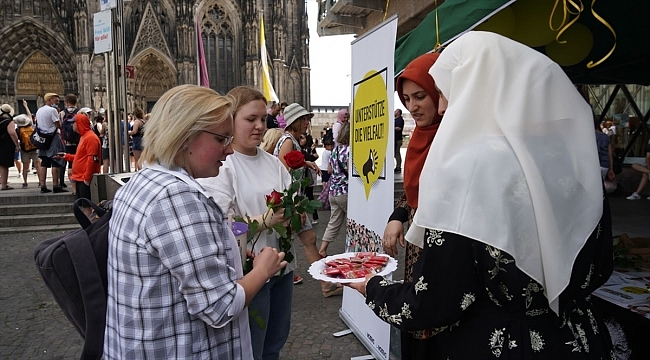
[(499, 264)]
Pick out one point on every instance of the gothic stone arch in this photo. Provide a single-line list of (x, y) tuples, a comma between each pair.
[(25, 38), (154, 74)]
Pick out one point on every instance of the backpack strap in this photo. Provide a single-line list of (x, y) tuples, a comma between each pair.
[(90, 284), (82, 219)]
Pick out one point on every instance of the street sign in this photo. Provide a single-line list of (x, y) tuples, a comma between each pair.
[(103, 32), (107, 4)]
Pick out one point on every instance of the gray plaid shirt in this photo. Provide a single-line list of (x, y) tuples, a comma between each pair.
[(172, 290)]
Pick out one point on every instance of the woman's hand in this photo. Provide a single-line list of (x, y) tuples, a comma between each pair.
[(393, 234), (276, 217), (312, 165), (361, 286), (269, 260)]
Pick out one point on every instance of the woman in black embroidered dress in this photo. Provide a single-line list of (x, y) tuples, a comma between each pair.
[(517, 234)]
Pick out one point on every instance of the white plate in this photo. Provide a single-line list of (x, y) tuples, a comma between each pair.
[(316, 269)]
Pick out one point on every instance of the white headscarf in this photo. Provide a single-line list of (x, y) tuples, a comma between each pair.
[(514, 163)]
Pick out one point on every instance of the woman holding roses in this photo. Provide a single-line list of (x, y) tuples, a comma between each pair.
[(298, 119), (248, 186)]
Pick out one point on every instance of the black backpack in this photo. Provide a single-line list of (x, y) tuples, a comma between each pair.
[(67, 131), (73, 267)]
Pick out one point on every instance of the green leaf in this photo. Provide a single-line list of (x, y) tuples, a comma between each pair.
[(280, 229), (288, 256), (259, 320), (297, 174), (295, 186), (296, 223)]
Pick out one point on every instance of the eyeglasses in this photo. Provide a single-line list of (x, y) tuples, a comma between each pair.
[(221, 139)]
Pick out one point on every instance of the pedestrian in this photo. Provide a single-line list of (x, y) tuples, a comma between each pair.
[(28, 152), (518, 237), (176, 288), (398, 127), (644, 169), (86, 161), (245, 179), (338, 188), (48, 126), (9, 144)]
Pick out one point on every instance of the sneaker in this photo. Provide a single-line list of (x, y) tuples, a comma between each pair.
[(297, 279), (25, 185), (314, 222), (634, 196), (64, 185), (398, 170), (58, 189), (44, 190)]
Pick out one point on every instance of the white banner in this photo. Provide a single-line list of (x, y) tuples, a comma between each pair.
[(371, 183), (103, 32), (107, 4)]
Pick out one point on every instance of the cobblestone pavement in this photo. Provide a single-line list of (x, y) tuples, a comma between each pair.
[(33, 326)]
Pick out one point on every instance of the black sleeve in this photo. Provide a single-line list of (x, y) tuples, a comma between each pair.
[(445, 285), (400, 213)]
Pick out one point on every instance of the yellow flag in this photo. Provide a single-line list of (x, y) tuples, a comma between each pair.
[(267, 87)]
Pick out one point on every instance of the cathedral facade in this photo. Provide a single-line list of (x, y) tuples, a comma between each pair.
[(48, 46)]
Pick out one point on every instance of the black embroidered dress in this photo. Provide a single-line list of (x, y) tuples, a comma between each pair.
[(470, 301)]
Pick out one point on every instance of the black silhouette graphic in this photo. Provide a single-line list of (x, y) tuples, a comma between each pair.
[(370, 165)]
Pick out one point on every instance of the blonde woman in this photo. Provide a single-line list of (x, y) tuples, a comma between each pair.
[(270, 139), (175, 280)]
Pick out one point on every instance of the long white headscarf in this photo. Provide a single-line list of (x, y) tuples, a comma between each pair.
[(514, 163)]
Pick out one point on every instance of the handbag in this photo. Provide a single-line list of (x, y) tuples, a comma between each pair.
[(40, 140)]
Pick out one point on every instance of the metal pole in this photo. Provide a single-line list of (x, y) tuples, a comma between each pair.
[(109, 118), (121, 78)]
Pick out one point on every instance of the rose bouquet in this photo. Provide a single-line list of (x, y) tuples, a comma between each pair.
[(295, 205)]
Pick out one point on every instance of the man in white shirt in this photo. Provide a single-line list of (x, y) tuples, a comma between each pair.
[(48, 125)]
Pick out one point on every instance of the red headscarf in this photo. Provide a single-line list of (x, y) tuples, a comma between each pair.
[(421, 138)]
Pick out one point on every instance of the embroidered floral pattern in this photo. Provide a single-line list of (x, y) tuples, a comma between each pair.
[(491, 296), (435, 237), (468, 299), (496, 341), (536, 312), (384, 282), (498, 260), (371, 305), (504, 291), (583, 338), (592, 320), (599, 231), (588, 280), (536, 341), (528, 292), (574, 343), (406, 311), (420, 285), (512, 344), (383, 311)]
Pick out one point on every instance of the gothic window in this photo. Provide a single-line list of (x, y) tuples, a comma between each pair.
[(218, 46)]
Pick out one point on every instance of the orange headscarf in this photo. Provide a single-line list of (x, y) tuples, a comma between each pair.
[(421, 138)]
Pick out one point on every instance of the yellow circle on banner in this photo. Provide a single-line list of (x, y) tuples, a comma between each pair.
[(502, 23), (579, 42), (369, 130), (532, 22)]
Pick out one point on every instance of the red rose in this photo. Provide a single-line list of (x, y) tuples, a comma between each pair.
[(295, 160), (274, 199)]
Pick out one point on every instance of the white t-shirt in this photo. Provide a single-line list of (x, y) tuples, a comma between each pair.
[(241, 187), (46, 116), (325, 159)]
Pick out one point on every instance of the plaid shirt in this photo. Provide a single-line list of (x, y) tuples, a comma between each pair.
[(172, 290)]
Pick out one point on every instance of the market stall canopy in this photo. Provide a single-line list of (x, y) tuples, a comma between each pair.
[(588, 41)]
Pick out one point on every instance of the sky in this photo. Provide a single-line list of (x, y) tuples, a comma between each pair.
[(329, 60)]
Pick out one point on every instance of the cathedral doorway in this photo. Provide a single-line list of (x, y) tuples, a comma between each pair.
[(36, 77), (153, 76)]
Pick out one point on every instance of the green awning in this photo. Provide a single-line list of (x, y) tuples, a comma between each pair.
[(628, 64)]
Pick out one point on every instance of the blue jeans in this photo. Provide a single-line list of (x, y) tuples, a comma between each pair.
[(270, 328)]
